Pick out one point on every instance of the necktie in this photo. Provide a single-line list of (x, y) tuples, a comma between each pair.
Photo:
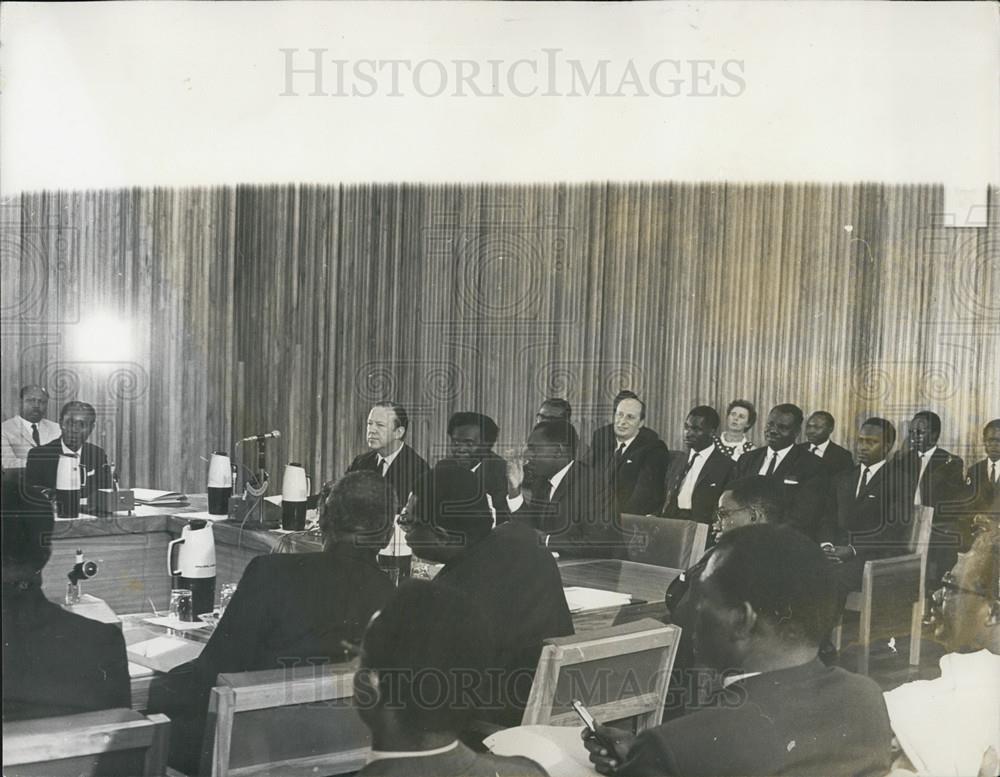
[(382, 466), (675, 487), (993, 472), (814, 449), (863, 482), (774, 460), (34, 435), (619, 452)]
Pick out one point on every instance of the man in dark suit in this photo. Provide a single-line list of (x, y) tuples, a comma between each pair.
[(696, 479), (803, 474), (633, 459), (930, 476), (76, 422), (983, 480), (765, 601), (54, 662), (289, 608), (860, 523), (819, 427), (602, 441), (471, 437), (420, 683), (512, 578), (564, 500), (390, 456)]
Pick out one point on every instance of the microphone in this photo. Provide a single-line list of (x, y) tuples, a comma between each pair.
[(259, 437)]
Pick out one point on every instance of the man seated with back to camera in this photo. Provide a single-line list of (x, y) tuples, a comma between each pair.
[(762, 605), (509, 575), (568, 503), (290, 608), (745, 502), (54, 662), (423, 660), (471, 437)]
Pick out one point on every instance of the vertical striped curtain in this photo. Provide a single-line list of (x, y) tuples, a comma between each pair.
[(296, 307)]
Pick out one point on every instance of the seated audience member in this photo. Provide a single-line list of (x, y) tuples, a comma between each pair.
[(471, 437), (819, 427), (509, 574), (390, 456), (948, 725), (983, 480), (54, 662), (804, 474), (740, 418), (554, 409), (564, 499), (697, 477), (859, 523), (930, 476), (632, 457), (603, 442), (764, 602), (289, 607), (76, 422), (419, 684), (29, 429)]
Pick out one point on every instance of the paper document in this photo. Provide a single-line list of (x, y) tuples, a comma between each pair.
[(557, 749), (579, 598), (173, 623), (150, 496), (163, 653)]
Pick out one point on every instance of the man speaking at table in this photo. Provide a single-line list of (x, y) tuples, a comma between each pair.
[(76, 422), (390, 456)]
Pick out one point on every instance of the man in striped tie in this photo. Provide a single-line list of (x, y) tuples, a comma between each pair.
[(29, 429)]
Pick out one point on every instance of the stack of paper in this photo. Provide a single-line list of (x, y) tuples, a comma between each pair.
[(163, 653), (580, 599), (154, 498), (558, 750)]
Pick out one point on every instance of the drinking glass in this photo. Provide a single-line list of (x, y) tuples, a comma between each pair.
[(182, 604), (225, 594)]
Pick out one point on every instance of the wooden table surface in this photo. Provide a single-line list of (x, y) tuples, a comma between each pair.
[(645, 582)]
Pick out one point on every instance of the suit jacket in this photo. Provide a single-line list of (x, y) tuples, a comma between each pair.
[(806, 480), (56, 662), (806, 720), (404, 472), (637, 477), (460, 762), (43, 462), (870, 521), (16, 441), (603, 442), (712, 480), (288, 609), (983, 494), (492, 474), (942, 486), (516, 583), (836, 458), (580, 518)]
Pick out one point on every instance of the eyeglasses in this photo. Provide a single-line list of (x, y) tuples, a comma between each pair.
[(948, 584)]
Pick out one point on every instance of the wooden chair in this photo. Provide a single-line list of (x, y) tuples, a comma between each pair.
[(665, 542), (298, 721), (109, 742), (619, 673), (891, 599)]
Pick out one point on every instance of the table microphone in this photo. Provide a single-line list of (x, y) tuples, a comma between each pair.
[(261, 437)]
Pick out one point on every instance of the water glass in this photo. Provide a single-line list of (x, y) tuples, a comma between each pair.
[(225, 594), (182, 604)]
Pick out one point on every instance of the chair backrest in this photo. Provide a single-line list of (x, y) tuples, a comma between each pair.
[(666, 542), (109, 742), (618, 673), (285, 721)]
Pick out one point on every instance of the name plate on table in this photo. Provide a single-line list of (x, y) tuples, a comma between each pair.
[(107, 501)]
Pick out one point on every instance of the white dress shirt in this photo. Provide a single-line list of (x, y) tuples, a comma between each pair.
[(388, 461), (687, 486), (516, 503), (767, 459), (925, 459), (872, 469), (819, 450)]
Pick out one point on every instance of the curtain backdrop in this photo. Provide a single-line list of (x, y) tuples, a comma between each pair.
[(294, 308)]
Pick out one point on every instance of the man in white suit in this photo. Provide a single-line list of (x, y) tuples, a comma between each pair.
[(29, 429)]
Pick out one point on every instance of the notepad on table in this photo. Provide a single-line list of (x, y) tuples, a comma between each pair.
[(154, 498), (162, 654), (579, 598), (557, 749)]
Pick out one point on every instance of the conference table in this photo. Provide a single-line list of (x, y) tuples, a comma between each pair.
[(131, 551)]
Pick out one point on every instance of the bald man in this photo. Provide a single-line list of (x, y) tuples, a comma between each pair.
[(28, 429)]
